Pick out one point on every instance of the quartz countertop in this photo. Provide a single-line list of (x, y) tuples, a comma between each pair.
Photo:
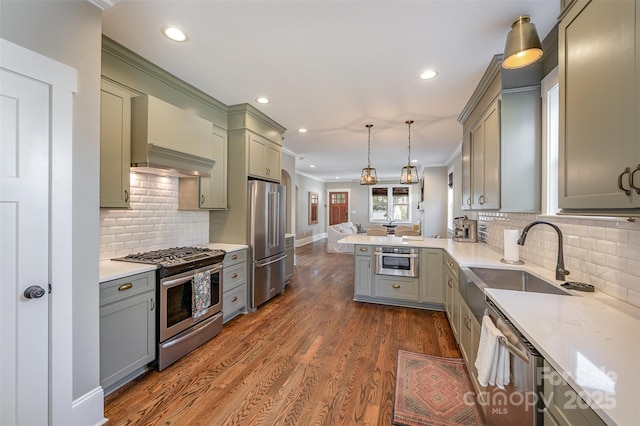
[(591, 339), (109, 270), (227, 247)]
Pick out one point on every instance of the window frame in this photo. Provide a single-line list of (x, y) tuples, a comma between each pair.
[(389, 189)]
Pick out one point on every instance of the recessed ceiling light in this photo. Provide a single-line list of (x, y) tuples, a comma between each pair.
[(263, 100), (175, 34), (303, 130), (414, 161), (337, 177), (428, 74), (312, 166)]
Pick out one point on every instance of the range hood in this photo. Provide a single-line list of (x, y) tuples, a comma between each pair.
[(169, 141)]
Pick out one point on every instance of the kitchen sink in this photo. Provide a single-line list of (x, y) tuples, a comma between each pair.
[(473, 281), (518, 280)]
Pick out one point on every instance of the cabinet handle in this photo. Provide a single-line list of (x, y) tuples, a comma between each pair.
[(469, 201), (396, 286), (363, 249), (124, 287), (202, 199), (153, 304), (624, 172), (234, 299), (234, 275), (126, 196), (450, 265), (234, 257), (481, 199), (449, 283), (632, 179), (466, 323)]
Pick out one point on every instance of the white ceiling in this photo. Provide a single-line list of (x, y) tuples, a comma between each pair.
[(334, 66)]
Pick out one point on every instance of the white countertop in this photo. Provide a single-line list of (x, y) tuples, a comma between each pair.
[(592, 339), (112, 269)]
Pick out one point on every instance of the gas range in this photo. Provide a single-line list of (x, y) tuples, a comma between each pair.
[(175, 260)]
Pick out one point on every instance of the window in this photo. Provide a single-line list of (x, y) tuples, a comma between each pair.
[(550, 134), (390, 203)]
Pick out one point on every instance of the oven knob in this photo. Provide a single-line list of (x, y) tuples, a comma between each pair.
[(34, 292)]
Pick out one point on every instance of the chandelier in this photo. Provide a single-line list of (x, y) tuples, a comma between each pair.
[(369, 176), (409, 173)]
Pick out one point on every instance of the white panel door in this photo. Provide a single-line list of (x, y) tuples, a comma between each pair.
[(24, 249)]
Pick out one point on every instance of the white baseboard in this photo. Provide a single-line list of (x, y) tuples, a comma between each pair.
[(89, 408), (308, 240)]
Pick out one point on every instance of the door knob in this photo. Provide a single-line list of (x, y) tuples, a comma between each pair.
[(34, 292)]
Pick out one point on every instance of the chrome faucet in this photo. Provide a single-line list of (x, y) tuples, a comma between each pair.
[(561, 273)]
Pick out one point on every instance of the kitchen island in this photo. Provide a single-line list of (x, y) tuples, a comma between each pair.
[(591, 339)]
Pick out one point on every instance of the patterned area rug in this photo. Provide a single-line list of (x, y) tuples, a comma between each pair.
[(432, 390)]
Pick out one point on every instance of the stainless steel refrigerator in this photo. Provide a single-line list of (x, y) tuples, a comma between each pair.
[(266, 240)]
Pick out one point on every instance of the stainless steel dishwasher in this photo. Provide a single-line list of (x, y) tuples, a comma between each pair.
[(521, 402)]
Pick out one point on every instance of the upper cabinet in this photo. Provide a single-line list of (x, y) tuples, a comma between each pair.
[(264, 158), (501, 149), (599, 158), (115, 145)]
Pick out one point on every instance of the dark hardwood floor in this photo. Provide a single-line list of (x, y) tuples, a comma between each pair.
[(311, 356)]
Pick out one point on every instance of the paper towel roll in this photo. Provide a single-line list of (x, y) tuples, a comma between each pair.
[(511, 248)]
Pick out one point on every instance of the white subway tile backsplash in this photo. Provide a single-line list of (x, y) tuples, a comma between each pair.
[(604, 252), (153, 222)]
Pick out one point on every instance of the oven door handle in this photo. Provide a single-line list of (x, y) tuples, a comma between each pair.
[(407, 255), (177, 281)]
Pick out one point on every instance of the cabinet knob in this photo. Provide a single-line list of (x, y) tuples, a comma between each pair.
[(363, 249), (234, 299), (234, 257), (632, 179), (627, 170), (396, 286), (234, 275)]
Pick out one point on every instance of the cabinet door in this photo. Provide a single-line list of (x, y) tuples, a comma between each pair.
[(115, 145), (362, 285), (598, 115), (431, 276), (273, 156), (485, 159), (127, 337), (466, 172), (257, 156), (213, 190)]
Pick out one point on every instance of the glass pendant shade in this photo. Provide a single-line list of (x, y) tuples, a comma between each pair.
[(409, 174), (369, 175), (523, 44)]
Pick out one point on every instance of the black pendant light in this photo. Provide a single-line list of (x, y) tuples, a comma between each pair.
[(369, 176), (523, 44), (409, 173)]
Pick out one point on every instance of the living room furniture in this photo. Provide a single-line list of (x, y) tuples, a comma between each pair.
[(337, 232)]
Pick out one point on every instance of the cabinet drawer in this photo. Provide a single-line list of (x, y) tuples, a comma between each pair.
[(363, 250), (112, 291), (233, 302), (397, 288), (234, 276), (234, 257), (451, 265)]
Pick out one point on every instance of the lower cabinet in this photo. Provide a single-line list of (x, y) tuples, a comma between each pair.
[(363, 259), (451, 292), (127, 328), (398, 288), (564, 406), (469, 339), (234, 285), (289, 262)]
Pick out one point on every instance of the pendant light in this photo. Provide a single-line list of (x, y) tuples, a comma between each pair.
[(523, 44), (409, 173), (369, 176)]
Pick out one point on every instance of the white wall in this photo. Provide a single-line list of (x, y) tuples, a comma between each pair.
[(435, 201), (288, 164), (70, 32), (304, 230)]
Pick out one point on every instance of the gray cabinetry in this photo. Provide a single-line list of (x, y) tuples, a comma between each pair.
[(469, 339), (431, 290), (290, 251), (208, 193), (127, 328), (565, 407), (501, 160), (115, 145), (234, 284), (451, 292), (363, 277), (599, 158), (396, 288), (264, 158)]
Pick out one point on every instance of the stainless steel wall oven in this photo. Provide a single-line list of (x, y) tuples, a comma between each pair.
[(396, 261)]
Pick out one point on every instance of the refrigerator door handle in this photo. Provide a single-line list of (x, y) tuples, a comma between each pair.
[(260, 265)]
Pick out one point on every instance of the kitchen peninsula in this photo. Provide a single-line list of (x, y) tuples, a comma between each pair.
[(591, 339)]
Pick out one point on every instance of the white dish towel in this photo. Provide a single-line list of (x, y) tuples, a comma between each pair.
[(492, 361)]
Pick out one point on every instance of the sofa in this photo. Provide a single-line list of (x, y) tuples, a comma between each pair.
[(338, 232)]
